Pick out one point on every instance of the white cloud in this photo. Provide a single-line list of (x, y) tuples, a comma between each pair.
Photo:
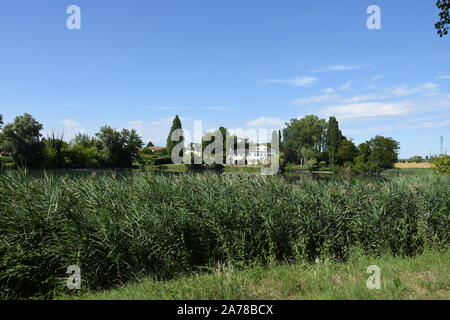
[(337, 67), (158, 130), (72, 127), (265, 122), (394, 92), (327, 90), (70, 130), (346, 86), (368, 110), (410, 124), (375, 78), (444, 77), (404, 90), (155, 131), (70, 123), (427, 89), (315, 99), (379, 109), (296, 81)]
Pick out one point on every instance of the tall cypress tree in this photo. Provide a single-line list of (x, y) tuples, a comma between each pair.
[(333, 139), (176, 124)]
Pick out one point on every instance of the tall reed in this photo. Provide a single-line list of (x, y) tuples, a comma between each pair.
[(121, 228)]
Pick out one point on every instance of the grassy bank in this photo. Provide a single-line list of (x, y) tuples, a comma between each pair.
[(423, 277), (175, 168), (121, 229)]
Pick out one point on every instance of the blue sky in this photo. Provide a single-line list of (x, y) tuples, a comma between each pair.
[(240, 64)]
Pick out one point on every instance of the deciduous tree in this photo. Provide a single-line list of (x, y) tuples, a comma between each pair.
[(346, 152), (444, 17), (120, 148), (307, 132), (22, 139)]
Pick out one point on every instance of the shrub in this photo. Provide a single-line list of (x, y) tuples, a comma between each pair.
[(80, 156), (442, 164), (162, 160), (6, 161)]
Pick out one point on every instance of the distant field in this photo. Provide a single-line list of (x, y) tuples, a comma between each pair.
[(413, 165)]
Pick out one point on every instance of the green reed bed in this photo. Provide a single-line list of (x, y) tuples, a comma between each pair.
[(118, 229)]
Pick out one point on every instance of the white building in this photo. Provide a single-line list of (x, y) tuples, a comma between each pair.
[(255, 155)]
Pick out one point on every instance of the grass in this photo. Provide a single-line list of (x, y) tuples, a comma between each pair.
[(242, 169), (327, 168), (122, 228), (423, 277), (171, 168)]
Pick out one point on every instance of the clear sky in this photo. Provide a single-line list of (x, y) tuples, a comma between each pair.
[(240, 64)]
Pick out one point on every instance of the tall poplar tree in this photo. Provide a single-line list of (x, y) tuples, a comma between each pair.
[(176, 124), (333, 139)]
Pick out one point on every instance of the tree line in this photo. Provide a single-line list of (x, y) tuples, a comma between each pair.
[(309, 141), (23, 142), (312, 141)]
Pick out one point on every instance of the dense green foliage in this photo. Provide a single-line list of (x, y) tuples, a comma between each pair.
[(23, 142), (6, 162), (148, 157), (22, 139), (333, 139), (121, 228), (346, 152), (416, 159), (310, 140), (377, 154), (120, 148), (218, 148), (444, 17), (304, 138), (171, 143), (442, 164)]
